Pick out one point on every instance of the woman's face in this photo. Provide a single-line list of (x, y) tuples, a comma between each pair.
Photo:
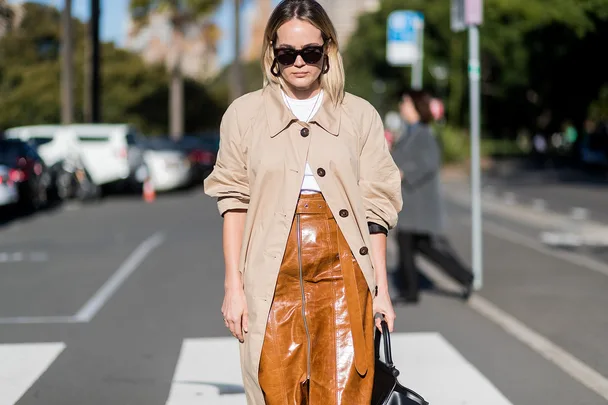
[(408, 111), (299, 71)]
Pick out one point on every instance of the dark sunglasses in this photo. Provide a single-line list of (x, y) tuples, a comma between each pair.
[(310, 55)]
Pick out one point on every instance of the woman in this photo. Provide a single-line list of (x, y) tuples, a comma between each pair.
[(417, 154), (308, 189)]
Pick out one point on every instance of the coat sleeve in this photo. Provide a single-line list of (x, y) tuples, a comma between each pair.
[(379, 178), (421, 159), (228, 182)]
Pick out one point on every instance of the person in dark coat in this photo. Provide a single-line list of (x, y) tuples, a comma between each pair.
[(420, 227)]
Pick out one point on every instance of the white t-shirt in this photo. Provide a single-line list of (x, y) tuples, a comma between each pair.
[(304, 110)]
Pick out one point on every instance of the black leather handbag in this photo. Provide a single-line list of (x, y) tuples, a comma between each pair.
[(387, 390)]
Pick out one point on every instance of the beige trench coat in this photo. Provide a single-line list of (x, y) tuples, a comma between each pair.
[(260, 167)]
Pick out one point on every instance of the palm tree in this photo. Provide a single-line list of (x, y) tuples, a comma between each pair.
[(181, 13)]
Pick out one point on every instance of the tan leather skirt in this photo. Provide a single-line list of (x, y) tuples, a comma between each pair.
[(318, 347)]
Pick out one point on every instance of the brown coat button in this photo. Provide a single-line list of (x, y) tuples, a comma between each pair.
[(304, 132), (363, 251), (321, 172), (343, 213)]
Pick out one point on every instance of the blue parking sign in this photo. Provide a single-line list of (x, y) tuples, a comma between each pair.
[(403, 29)]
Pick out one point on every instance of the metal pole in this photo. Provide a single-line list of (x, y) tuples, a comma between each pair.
[(237, 78), (474, 99), (417, 68), (95, 62), (67, 68)]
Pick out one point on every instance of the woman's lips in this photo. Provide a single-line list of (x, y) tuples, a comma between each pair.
[(301, 74)]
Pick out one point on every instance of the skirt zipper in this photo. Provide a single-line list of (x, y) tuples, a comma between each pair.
[(303, 298)]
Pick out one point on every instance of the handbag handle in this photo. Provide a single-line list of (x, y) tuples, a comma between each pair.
[(385, 336)]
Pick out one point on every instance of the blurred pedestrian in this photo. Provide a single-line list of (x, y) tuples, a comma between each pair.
[(308, 191), (421, 222)]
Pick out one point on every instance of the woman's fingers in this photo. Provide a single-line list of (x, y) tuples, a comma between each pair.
[(390, 320), (245, 322)]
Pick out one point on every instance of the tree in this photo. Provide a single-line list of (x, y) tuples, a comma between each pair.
[(133, 92), (536, 55), (180, 14)]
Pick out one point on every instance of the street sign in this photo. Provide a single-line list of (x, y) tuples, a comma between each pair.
[(473, 12), (465, 13), (457, 16), (404, 37)]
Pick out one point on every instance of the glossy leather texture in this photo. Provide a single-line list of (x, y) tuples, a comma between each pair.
[(319, 342)]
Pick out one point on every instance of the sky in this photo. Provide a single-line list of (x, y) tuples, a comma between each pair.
[(115, 16)]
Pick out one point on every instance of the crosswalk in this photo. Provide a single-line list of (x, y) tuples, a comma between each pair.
[(207, 371), (21, 365)]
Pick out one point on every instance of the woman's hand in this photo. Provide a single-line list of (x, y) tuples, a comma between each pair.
[(384, 306), (234, 310)]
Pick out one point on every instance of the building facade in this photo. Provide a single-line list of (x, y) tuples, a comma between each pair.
[(343, 13), (155, 44)]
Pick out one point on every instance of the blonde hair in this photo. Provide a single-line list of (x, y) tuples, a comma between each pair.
[(312, 12)]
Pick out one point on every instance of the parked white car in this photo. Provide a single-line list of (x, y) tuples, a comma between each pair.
[(8, 189), (168, 167)]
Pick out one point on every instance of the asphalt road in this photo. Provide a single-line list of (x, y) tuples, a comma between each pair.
[(562, 189), (119, 303)]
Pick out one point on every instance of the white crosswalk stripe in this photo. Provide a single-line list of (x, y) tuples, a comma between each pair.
[(21, 365), (207, 372)]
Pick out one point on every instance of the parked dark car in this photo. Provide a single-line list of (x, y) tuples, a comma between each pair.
[(28, 171), (202, 152)]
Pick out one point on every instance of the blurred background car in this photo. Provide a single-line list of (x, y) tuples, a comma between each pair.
[(28, 171), (60, 155), (201, 151), (8, 190), (168, 166)]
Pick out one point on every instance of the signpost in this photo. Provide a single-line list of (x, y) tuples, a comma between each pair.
[(404, 42), (469, 14)]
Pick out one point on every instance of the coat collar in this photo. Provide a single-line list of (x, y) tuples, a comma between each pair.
[(280, 117)]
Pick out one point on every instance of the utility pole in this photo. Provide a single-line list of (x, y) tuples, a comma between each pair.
[(468, 14), (67, 65), (237, 74), (95, 63), (474, 107), (87, 104)]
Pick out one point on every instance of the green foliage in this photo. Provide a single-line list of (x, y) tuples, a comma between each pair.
[(456, 145), (537, 55), (131, 91)]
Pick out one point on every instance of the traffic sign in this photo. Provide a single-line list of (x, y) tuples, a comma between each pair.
[(465, 13), (404, 37)]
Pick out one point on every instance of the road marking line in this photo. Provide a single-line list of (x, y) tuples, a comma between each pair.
[(208, 372), (531, 243), (21, 365), (540, 344), (97, 301), (13, 257), (534, 340), (37, 320)]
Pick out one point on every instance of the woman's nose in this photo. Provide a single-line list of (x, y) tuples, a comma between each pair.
[(299, 61)]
